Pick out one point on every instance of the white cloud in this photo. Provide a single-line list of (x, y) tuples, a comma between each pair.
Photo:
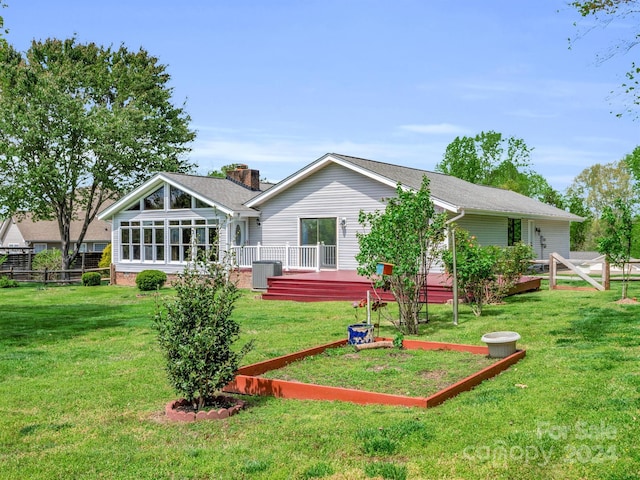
[(279, 156)]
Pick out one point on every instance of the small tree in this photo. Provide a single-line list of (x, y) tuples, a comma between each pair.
[(408, 234), (196, 332), (616, 242)]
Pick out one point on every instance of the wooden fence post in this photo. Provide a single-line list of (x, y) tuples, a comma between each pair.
[(552, 272)]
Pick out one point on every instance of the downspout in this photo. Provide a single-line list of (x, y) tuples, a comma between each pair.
[(455, 268)]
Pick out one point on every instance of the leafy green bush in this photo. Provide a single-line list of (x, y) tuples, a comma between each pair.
[(6, 282), (148, 280), (511, 263), (91, 279), (196, 332), (486, 274), (50, 259), (474, 267), (105, 259)]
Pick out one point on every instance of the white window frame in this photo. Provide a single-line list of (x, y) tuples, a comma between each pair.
[(95, 247)]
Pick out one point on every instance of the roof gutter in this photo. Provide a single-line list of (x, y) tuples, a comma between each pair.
[(455, 268)]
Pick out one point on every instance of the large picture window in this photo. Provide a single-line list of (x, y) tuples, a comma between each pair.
[(318, 230)]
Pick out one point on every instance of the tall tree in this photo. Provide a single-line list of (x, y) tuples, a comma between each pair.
[(605, 12), (490, 159), (2, 29), (222, 173), (594, 189), (632, 161), (579, 231), (79, 125), (600, 185)]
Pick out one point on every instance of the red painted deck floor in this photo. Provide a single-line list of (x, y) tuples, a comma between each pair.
[(336, 285)]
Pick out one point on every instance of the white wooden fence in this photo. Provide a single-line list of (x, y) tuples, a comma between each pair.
[(293, 257)]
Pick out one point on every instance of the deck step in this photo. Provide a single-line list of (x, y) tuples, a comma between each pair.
[(347, 286), (317, 289)]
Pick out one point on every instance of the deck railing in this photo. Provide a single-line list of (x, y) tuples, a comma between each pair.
[(293, 257)]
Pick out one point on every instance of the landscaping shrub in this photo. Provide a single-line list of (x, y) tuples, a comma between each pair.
[(148, 280), (196, 332), (486, 274), (105, 260), (474, 266), (91, 279), (50, 259), (510, 264), (6, 282)]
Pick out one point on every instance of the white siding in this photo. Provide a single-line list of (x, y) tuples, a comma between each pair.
[(334, 191), (557, 238), (493, 231), (487, 230)]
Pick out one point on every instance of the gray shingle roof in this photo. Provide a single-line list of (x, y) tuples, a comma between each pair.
[(219, 190), (462, 194)]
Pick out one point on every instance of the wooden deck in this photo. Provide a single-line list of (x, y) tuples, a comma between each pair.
[(348, 285)]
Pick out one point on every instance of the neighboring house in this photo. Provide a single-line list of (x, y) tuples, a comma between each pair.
[(23, 233), (309, 220)]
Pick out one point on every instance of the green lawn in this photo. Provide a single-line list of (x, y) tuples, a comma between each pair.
[(82, 392)]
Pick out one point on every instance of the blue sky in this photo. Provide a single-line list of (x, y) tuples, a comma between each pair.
[(278, 83)]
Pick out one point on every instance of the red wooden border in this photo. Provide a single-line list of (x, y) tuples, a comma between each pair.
[(249, 382)]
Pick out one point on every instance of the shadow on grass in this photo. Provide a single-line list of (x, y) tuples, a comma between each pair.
[(602, 326), (36, 325)]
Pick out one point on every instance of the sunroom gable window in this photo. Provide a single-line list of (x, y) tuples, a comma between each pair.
[(155, 200), (178, 198), (200, 204)]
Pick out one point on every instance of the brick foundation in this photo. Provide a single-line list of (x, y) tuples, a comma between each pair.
[(128, 279)]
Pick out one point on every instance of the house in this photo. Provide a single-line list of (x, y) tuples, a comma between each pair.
[(309, 220), (23, 234)]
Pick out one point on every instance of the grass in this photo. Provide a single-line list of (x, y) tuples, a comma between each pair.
[(415, 373), (82, 392)]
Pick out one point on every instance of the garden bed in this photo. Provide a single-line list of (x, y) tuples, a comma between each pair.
[(419, 385)]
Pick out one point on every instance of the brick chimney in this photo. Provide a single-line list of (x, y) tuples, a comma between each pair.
[(245, 176)]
